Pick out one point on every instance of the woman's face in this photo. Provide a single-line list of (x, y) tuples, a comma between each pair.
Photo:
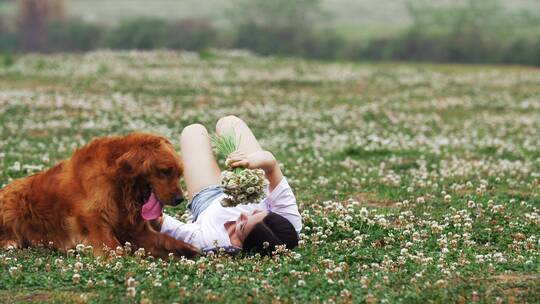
[(246, 221)]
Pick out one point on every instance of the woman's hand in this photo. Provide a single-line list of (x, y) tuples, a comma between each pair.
[(237, 159), (258, 160)]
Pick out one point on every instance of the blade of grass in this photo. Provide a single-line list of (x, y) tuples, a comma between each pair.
[(224, 145)]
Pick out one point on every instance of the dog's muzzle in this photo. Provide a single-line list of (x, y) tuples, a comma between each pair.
[(178, 199)]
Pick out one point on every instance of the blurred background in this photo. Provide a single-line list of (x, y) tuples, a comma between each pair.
[(471, 31)]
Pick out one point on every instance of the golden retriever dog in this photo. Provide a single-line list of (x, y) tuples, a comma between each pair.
[(95, 198)]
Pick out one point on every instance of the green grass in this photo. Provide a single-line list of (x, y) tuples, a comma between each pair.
[(417, 183)]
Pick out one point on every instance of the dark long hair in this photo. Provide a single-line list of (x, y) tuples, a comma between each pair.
[(274, 230)]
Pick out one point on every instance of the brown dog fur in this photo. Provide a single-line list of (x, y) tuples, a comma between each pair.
[(95, 198)]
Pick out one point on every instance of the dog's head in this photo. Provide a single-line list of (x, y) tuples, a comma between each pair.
[(154, 166)]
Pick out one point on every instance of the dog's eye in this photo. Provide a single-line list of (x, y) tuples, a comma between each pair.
[(167, 172)]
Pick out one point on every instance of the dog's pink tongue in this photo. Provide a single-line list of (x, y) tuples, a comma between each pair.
[(151, 210)]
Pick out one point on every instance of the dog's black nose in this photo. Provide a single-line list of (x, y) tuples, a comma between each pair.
[(178, 199)]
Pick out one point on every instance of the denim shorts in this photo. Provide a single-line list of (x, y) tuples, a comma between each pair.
[(202, 199)]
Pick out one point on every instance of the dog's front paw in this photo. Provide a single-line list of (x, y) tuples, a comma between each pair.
[(9, 245), (186, 250)]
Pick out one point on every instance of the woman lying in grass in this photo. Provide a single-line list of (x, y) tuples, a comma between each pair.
[(255, 227)]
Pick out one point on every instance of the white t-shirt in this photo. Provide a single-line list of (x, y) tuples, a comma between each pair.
[(209, 232)]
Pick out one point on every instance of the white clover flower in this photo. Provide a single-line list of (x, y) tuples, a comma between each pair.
[(227, 174), (80, 248), (131, 292), (76, 278), (38, 261), (16, 166), (231, 184), (130, 282), (140, 252), (13, 271), (127, 248), (219, 267)]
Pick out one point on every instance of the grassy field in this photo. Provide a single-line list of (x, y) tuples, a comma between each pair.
[(417, 183)]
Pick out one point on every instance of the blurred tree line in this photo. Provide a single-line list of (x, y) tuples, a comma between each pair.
[(479, 31)]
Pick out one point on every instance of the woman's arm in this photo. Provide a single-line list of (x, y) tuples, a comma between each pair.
[(258, 160), (177, 229), (281, 199)]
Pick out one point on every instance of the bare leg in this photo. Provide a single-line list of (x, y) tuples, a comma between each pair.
[(234, 125), (200, 167)]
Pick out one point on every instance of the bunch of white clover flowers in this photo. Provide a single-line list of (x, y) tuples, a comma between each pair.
[(241, 185)]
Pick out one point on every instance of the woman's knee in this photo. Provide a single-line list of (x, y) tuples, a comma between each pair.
[(194, 129), (225, 122)]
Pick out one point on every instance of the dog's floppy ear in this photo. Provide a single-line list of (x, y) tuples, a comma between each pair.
[(133, 162)]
